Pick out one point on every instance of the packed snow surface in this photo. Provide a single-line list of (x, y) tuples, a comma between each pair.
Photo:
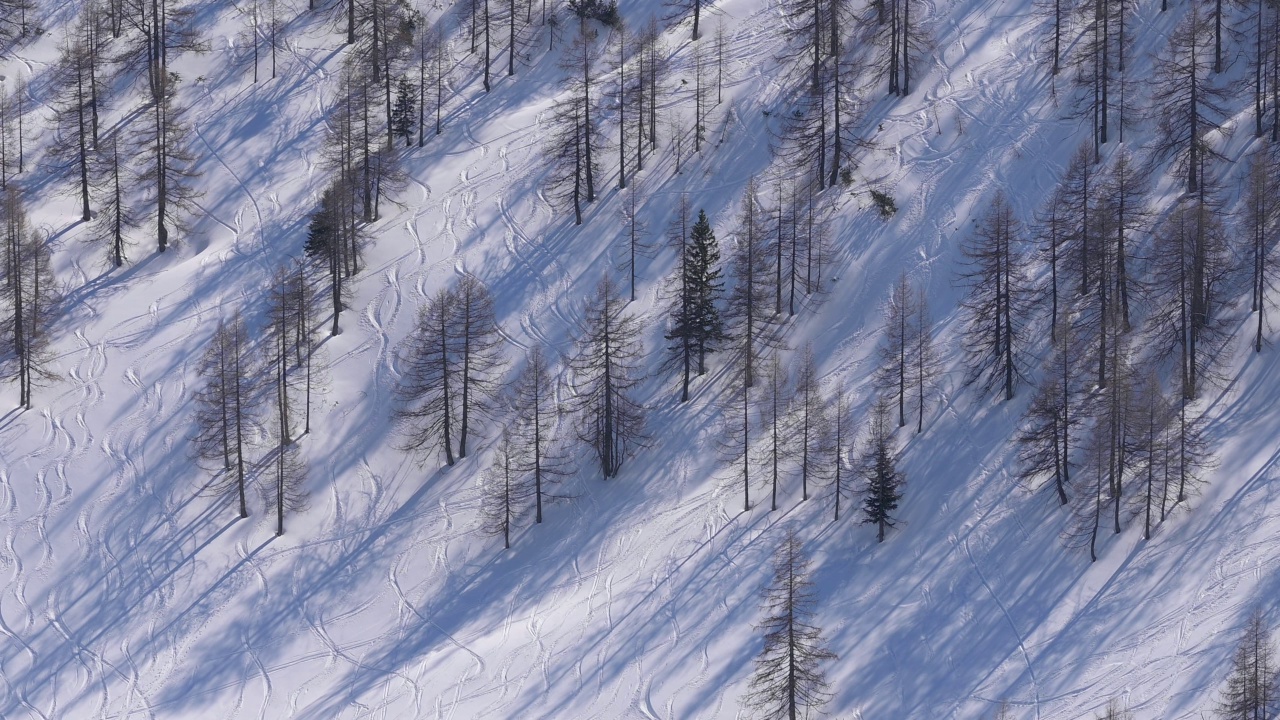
[(127, 592)]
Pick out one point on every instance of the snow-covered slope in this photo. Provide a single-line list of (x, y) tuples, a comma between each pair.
[(128, 593)]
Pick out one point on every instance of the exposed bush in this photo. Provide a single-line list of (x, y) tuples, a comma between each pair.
[(884, 201)]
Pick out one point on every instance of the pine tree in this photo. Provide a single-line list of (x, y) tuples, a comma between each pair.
[(878, 469), (789, 681), (334, 240), (696, 325), (404, 113)]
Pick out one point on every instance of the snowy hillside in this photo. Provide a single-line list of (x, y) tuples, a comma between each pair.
[(130, 591)]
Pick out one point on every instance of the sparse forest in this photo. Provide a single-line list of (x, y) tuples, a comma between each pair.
[(393, 274)]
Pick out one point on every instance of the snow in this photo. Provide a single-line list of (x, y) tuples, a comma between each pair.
[(129, 593)]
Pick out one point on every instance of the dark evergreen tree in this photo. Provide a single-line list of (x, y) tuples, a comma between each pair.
[(404, 113), (877, 467), (334, 241), (789, 680), (696, 325)]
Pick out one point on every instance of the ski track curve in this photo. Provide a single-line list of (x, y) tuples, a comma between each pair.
[(1026, 656)]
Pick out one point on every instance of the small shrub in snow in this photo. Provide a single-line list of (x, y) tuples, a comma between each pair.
[(884, 201)]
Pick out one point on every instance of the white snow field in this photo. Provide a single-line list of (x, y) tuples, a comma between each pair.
[(129, 593)]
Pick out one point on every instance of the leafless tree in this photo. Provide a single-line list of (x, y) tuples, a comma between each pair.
[(789, 680), (28, 294), (995, 305), (605, 372), (224, 412)]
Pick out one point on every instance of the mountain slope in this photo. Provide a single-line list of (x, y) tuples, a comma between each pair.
[(130, 593)]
